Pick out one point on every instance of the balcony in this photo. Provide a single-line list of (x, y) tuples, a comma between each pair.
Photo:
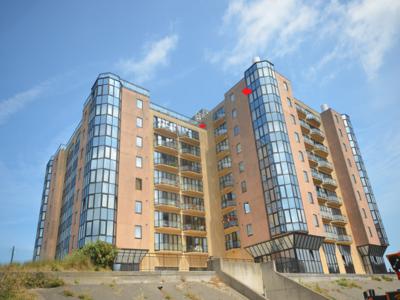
[(164, 129), (317, 134), (191, 170), (189, 136), (194, 227), (166, 146), (309, 143), (302, 113), (231, 223), (312, 159), (317, 177), (167, 226), (226, 185), (196, 248), (167, 183), (164, 164), (325, 166), (196, 209), (224, 168), (192, 189), (305, 128), (220, 134), (331, 237), (313, 120), (219, 119), (321, 150), (334, 200), (190, 153), (326, 216), (322, 197), (228, 204), (339, 219), (329, 183), (344, 239), (168, 204)]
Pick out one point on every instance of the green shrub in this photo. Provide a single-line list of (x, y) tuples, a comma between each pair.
[(101, 254), (387, 278), (68, 293)]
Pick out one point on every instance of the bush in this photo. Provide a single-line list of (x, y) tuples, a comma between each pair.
[(100, 253)]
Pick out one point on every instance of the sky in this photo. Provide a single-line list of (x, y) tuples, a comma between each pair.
[(188, 54)]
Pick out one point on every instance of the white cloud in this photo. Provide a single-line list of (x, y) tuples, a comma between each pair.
[(15, 103), (362, 31), (156, 55)]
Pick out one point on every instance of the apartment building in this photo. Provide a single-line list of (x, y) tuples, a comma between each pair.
[(261, 176)]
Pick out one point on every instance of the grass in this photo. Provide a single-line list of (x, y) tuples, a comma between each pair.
[(68, 293), (376, 278), (191, 296), (16, 285), (343, 282), (85, 297), (387, 278)]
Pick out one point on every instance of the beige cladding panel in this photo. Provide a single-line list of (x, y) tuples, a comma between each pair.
[(127, 219), (310, 209), (349, 189)]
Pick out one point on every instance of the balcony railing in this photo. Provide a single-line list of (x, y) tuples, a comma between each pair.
[(225, 165), (329, 181), (219, 132), (167, 144), (316, 132), (167, 181), (192, 206), (339, 218), (322, 195), (313, 118), (307, 140), (191, 151), (301, 110), (191, 168), (230, 223), (228, 203), (223, 147), (321, 147), (164, 161), (225, 184), (316, 175), (192, 187), (168, 202), (167, 223), (168, 247), (335, 199), (196, 248), (325, 164), (344, 238), (326, 215), (165, 127), (305, 125), (197, 227), (188, 134), (331, 236)]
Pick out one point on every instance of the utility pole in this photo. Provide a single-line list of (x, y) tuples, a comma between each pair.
[(12, 255)]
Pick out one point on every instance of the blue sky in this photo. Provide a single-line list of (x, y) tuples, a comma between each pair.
[(345, 53)]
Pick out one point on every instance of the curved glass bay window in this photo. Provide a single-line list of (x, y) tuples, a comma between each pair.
[(98, 211), (280, 184), (43, 210)]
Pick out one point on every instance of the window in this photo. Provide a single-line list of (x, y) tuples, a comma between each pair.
[(337, 119), (340, 132), (138, 184), (238, 148), (305, 176), (236, 130), (249, 229), (349, 162), (138, 207), (301, 156), (139, 122), (359, 195), (315, 220), (139, 103), (246, 208), (345, 147), (139, 162), (139, 141), (370, 231), (289, 102), (310, 197), (138, 232), (354, 178), (293, 118), (286, 85), (241, 167), (364, 213), (296, 137), (232, 97), (234, 113), (243, 186)]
